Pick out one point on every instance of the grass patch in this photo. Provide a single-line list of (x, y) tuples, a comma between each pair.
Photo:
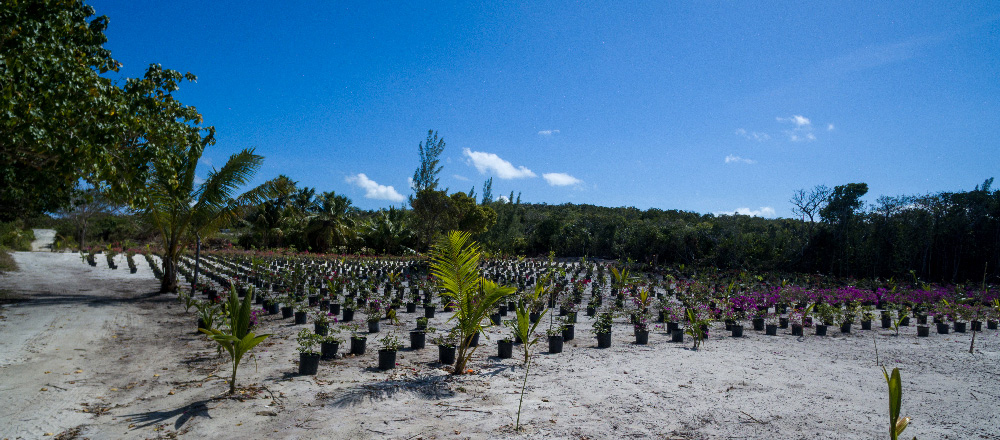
[(7, 263)]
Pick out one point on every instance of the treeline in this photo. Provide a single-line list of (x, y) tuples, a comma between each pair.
[(945, 236)]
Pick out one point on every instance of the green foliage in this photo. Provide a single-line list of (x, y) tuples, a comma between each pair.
[(524, 329), (179, 211), (207, 313), (426, 175), (455, 266), (897, 424), (13, 235), (236, 339), (66, 122), (308, 341)]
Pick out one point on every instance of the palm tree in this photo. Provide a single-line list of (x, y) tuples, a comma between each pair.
[(180, 212), (455, 265), (332, 223), (388, 232)]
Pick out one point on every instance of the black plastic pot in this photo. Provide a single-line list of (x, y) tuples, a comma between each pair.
[(886, 322), (502, 310), (642, 337), (977, 326), (845, 327), (328, 350), (677, 335), (923, 331), (568, 332), (287, 312), (321, 329), (505, 349), (991, 324), (348, 315), (429, 312), (386, 359), (273, 308), (446, 354), (737, 330), (555, 344), (474, 340), (591, 311), (942, 328), (373, 327), (358, 345), (300, 318), (866, 325), (604, 340), (921, 319), (671, 326), (758, 324), (335, 309), (411, 307), (533, 317), (313, 300), (308, 364), (782, 322), (960, 327), (418, 340), (771, 330), (796, 329), (324, 304), (820, 329), (495, 319)]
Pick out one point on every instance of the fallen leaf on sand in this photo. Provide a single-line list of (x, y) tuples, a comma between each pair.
[(45, 389)]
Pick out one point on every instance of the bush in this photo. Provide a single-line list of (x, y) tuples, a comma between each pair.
[(14, 236), (7, 263)]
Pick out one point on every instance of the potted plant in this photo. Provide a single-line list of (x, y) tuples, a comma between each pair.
[(301, 313), (309, 354), (418, 337), (867, 315), (555, 338), (446, 347), (568, 330), (348, 310), (287, 306), (421, 323), (828, 315), (358, 341), (602, 329), (322, 321), (771, 324), (387, 353), (329, 345)]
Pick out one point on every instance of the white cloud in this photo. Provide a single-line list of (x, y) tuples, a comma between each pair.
[(503, 198), (803, 130), (798, 120), (736, 159), (753, 135), (560, 179), (829, 127), (409, 182), (460, 177), (489, 162), (373, 190), (548, 132), (198, 180), (763, 211)]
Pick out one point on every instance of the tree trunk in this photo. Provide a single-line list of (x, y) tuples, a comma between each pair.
[(169, 281)]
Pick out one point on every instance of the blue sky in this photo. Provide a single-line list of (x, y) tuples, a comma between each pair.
[(701, 106)]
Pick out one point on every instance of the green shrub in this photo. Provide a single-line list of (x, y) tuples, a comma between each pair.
[(14, 236)]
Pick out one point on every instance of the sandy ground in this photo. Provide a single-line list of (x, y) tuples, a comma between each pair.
[(93, 353)]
